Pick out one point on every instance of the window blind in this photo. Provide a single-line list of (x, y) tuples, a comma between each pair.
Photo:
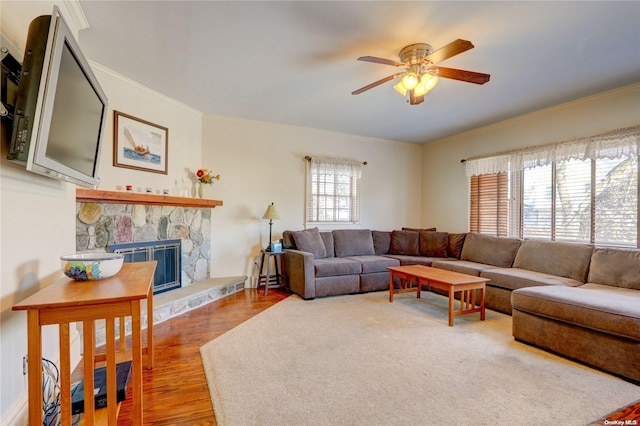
[(489, 204)]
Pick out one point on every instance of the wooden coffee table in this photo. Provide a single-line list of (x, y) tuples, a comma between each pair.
[(449, 281)]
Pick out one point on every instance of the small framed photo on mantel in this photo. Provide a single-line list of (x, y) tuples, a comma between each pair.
[(139, 144)]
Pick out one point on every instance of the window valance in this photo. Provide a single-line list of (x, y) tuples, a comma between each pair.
[(613, 144), (337, 165)]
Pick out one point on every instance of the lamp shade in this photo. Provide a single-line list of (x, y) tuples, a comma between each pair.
[(271, 213)]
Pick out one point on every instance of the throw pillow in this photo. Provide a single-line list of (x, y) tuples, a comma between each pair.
[(405, 243), (381, 242), (434, 244), (455, 245), (310, 241)]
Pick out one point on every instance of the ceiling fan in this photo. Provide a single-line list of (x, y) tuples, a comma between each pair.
[(420, 73)]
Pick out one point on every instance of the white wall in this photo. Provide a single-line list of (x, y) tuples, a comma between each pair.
[(37, 214), (262, 163), (184, 137), (445, 200), (30, 245)]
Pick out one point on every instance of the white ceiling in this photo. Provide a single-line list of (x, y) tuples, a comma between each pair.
[(295, 63)]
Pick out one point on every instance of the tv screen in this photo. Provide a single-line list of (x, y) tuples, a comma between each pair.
[(60, 108)]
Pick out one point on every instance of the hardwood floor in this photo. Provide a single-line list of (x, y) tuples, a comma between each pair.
[(175, 391)]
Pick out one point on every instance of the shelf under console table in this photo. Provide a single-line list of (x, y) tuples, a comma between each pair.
[(66, 301)]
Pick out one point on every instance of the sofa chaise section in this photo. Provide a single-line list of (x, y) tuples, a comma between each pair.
[(597, 323)]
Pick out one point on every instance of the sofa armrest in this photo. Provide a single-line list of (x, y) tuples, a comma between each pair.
[(300, 273)]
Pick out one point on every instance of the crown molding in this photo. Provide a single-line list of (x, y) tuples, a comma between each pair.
[(77, 14)]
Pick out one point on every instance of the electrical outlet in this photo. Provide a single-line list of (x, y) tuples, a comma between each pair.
[(25, 360)]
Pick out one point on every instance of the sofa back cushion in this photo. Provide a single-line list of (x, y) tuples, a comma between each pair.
[(454, 247), (327, 239), (495, 251), (550, 257), (309, 240), (381, 242), (418, 229), (353, 242), (405, 243), (615, 267), (287, 240), (433, 244)]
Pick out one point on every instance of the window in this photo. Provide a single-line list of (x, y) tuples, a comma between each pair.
[(333, 193), (489, 204), (579, 191)]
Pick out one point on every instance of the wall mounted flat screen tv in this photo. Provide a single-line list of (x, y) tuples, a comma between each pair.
[(60, 109)]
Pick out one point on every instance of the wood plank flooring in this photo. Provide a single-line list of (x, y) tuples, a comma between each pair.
[(175, 391)]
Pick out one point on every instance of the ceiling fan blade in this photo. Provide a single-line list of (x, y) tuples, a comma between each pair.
[(452, 49), (462, 75), (376, 83), (380, 61)]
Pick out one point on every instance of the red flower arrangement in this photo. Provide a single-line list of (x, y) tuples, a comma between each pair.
[(206, 176)]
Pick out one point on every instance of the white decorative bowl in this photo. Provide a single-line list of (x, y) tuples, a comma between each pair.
[(91, 266)]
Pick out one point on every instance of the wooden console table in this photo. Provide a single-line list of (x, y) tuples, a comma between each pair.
[(66, 301)]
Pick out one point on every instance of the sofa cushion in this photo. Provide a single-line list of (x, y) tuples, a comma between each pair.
[(454, 247), (332, 266), (381, 242), (353, 242), (371, 264), (287, 240), (462, 266), (515, 278), (418, 229), (309, 240), (433, 244), (405, 242), (598, 307), (490, 250), (327, 239), (416, 260), (615, 267), (554, 258)]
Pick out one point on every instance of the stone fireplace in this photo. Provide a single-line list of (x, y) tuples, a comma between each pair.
[(106, 218)]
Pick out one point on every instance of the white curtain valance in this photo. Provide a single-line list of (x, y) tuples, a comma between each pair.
[(337, 166), (614, 144)]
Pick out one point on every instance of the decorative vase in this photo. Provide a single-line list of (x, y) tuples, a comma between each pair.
[(201, 190)]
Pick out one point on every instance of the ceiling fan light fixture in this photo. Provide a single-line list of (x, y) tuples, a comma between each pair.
[(410, 81), (400, 88), (427, 82)]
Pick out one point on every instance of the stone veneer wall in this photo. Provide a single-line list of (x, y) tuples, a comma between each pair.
[(100, 224)]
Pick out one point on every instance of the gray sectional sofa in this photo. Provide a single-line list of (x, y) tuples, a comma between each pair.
[(573, 299)]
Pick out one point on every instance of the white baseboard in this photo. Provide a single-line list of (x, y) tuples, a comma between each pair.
[(19, 413)]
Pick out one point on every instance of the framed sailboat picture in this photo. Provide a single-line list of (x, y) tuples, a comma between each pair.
[(139, 144)]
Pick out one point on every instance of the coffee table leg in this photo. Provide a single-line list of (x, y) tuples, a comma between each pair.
[(482, 303), (451, 298), (391, 286)]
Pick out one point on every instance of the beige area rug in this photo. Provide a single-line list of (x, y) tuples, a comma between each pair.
[(360, 360)]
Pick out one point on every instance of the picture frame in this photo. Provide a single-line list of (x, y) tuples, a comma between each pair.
[(139, 144)]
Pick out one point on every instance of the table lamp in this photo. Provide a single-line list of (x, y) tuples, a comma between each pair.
[(271, 214)]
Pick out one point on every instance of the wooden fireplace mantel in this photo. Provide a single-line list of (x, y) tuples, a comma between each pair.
[(100, 196)]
